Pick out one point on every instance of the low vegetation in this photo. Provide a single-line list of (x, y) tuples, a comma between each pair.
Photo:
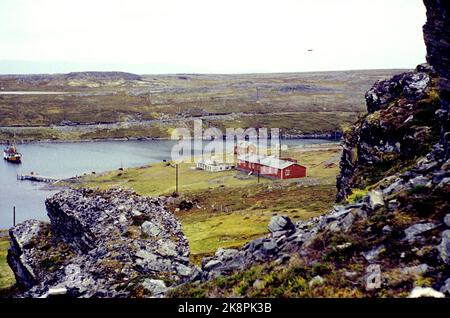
[(6, 275), (231, 216), (298, 103)]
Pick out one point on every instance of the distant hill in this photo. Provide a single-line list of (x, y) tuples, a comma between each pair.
[(82, 79), (111, 76)]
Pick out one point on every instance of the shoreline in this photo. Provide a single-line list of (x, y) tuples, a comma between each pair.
[(56, 141)]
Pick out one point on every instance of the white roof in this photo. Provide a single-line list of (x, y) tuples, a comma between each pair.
[(210, 162), (268, 161)]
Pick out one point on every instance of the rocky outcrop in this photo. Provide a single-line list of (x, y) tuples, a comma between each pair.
[(401, 125), (437, 39), (100, 244), (406, 114), (410, 86)]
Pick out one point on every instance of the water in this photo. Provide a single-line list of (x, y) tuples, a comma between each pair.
[(63, 160), (30, 93)]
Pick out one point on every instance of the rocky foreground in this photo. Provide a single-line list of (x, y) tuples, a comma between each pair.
[(100, 244)]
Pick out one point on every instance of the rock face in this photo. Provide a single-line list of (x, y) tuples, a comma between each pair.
[(401, 125), (437, 39), (411, 86), (100, 244)]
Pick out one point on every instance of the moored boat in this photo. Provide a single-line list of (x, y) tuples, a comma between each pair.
[(11, 154)]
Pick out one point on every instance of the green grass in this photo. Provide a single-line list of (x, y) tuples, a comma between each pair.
[(35, 133), (159, 178), (289, 280), (230, 217), (6, 275)]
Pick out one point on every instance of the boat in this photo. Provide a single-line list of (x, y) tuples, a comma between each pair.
[(11, 154)]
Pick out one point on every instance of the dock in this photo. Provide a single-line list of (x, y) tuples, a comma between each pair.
[(36, 178)]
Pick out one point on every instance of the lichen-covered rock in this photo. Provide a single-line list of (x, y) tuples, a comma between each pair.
[(410, 85), (401, 124), (376, 199), (98, 246), (155, 287), (20, 256), (444, 247), (437, 39), (280, 224), (417, 229)]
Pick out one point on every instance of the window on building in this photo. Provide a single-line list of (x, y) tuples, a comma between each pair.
[(287, 172)]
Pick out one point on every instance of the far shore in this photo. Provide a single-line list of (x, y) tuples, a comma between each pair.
[(5, 142)]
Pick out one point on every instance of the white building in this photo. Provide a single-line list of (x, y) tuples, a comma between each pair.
[(213, 166)]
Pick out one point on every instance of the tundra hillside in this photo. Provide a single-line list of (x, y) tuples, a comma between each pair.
[(99, 105)]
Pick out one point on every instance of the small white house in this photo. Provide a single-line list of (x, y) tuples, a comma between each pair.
[(213, 166)]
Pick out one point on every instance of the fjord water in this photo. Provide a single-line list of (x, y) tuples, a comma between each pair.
[(64, 160)]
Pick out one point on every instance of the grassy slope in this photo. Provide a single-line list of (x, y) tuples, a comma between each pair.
[(230, 217), (6, 275)]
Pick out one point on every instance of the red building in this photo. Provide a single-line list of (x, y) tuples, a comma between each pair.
[(270, 167)]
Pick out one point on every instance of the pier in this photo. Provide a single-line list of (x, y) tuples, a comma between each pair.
[(37, 178)]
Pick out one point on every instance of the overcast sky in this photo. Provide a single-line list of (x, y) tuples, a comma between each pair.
[(209, 36)]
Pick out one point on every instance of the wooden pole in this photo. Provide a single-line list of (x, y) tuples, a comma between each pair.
[(259, 169), (176, 178), (259, 161), (14, 215)]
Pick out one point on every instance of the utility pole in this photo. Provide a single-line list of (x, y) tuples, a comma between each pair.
[(259, 161), (176, 178), (14, 215), (259, 169)]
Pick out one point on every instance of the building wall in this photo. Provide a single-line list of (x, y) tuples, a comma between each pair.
[(294, 171)]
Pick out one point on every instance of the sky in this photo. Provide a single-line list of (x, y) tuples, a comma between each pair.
[(209, 36)]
